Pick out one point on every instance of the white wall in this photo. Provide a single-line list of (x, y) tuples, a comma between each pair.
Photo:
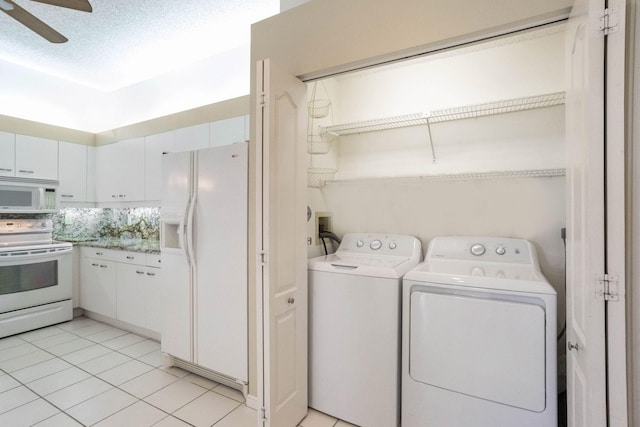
[(527, 65), (288, 4), (528, 208), (36, 96)]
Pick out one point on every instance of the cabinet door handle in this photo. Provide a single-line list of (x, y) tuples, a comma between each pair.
[(66, 195), (130, 257), (139, 272), (100, 253), (113, 195), (94, 264), (25, 171), (5, 170), (151, 274), (103, 266)]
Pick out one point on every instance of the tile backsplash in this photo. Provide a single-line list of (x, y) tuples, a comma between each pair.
[(125, 223)]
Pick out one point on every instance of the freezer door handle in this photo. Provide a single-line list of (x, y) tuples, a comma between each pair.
[(189, 231)]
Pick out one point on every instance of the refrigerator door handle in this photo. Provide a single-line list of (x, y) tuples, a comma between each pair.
[(189, 231), (182, 240)]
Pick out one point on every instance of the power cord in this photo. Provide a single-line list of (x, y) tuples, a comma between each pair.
[(329, 235)]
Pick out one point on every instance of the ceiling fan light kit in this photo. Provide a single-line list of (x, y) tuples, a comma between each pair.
[(36, 25)]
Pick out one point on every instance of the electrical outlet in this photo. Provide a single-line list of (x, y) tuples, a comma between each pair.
[(323, 223)]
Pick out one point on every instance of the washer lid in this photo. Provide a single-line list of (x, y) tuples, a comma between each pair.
[(486, 275), (371, 254), (363, 265)]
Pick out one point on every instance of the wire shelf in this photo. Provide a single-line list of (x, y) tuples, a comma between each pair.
[(316, 177), (445, 115)]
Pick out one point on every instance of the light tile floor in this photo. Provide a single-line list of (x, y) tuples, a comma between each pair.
[(86, 373)]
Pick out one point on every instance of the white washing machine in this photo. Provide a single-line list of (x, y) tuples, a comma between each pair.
[(354, 327), (479, 337)]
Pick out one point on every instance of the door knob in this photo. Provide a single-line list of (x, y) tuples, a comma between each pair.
[(291, 300), (572, 346)]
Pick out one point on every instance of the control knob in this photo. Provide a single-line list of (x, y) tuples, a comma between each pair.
[(393, 245), (359, 243), (500, 250), (375, 244), (478, 249)]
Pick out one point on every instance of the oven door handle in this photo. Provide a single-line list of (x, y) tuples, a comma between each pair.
[(32, 254)]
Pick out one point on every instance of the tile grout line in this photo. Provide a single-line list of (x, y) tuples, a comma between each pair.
[(113, 386), (55, 356)]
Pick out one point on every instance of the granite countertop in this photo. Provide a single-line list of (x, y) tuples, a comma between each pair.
[(132, 245)]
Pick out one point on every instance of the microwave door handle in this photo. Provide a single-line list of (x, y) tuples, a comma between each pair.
[(40, 198)]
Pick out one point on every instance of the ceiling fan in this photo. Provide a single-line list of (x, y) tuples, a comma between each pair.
[(36, 25)]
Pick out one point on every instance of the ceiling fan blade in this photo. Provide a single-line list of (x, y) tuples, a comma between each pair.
[(82, 5), (34, 24)]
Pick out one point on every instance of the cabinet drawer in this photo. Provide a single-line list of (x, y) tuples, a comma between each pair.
[(131, 257), (154, 260), (100, 253)]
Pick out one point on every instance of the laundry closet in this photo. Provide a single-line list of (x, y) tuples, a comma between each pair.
[(451, 124), (467, 141)]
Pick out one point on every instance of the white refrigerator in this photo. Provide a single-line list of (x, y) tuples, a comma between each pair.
[(203, 242)]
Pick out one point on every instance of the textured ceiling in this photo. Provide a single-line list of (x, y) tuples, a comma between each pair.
[(127, 41)]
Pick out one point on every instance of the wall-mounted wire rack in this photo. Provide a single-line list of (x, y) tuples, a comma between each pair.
[(446, 115)]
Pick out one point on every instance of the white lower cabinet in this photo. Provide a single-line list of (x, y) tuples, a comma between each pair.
[(153, 279), (131, 294), (98, 286), (125, 287)]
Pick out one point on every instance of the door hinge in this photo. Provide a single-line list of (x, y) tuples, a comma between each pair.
[(607, 287), (263, 415), (263, 99), (262, 257), (609, 21)]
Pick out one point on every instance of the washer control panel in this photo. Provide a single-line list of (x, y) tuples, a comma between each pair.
[(498, 249), (379, 244)]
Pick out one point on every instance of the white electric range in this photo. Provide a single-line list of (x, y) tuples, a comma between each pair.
[(35, 276)]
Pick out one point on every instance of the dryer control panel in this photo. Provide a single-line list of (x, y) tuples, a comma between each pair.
[(497, 249), (380, 244)]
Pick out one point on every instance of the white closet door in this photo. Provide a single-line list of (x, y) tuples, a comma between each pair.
[(586, 380), (281, 242)]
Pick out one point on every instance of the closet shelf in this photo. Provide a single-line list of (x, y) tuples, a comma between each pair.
[(450, 114)]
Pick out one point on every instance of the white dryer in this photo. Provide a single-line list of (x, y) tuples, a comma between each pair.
[(479, 337), (354, 327)]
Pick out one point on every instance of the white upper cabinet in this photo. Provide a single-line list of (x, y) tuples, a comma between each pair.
[(36, 157), (91, 174), (120, 171), (228, 131), (154, 147), (72, 164), (7, 154), (192, 138)]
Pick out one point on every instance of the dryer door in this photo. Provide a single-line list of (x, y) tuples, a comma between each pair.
[(488, 346)]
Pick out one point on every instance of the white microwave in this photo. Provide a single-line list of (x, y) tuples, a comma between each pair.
[(28, 198)]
